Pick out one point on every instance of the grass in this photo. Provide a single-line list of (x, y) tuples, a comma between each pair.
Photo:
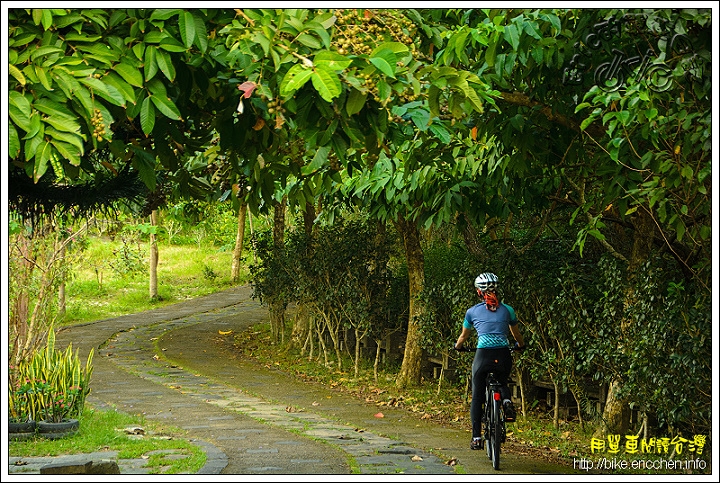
[(105, 431), (111, 279)]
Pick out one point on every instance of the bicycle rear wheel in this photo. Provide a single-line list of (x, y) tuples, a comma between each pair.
[(488, 423), (495, 434)]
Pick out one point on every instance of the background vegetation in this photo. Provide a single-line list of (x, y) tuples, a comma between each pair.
[(394, 153)]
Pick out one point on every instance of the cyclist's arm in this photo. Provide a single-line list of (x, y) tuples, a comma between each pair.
[(518, 336), (464, 335)]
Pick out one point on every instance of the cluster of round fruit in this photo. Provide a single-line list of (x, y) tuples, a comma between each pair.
[(275, 106), (97, 122), (361, 30)]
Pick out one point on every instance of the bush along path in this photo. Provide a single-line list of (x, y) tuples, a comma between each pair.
[(178, 364)]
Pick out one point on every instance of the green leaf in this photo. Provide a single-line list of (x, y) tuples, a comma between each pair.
[(130, 73), (147, 116), (155, 36), (165, 13), (66, 124), (332, 60), (13, 142), (44, 51), (440, 131), (326, 82), (164, 62), (42, 156), (40, 72), (31, 146), (17, 74), (201, 36), (395, 47), (150, 66), (145, 164), (385, 60), (512, 36), (69, 137), (99, 88), (295, 78), (167, 107), (68, 151), (114, 81), (309, 41), (19, 110), (355, 101), (318, 160), (586, 122), (187, 28)]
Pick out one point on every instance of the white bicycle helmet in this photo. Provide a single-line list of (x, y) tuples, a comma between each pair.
[(486, 282)]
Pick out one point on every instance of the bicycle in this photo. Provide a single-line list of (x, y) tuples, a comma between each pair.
[(494, 433)]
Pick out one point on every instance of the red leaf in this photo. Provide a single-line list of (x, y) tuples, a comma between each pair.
[(247, 88), (379, 415)]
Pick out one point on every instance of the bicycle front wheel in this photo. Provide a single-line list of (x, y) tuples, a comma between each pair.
[(495, 434)]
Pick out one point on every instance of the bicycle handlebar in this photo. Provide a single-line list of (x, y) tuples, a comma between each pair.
[(512, 348)]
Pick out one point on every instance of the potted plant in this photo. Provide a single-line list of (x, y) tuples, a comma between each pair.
[(56, 387), (21, 421)]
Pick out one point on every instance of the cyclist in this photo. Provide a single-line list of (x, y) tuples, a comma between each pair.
[(492, 320)]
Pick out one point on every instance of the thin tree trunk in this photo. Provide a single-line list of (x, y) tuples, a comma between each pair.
[(556, 408), (412, 360), (154, 255), (522, 389), (357, 352), (579, 407), (239, 240), (252, 237), (61, 289), (378, 351)]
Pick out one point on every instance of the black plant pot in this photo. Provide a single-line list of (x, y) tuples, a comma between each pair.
[(21, 431), (63, 429)]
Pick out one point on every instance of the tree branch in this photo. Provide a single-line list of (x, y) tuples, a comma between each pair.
[(520, 99)]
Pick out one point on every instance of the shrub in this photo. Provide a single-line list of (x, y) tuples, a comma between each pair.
[(51, 386)]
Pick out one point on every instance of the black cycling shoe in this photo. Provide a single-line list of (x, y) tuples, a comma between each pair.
[(476, 444), (509, 410)]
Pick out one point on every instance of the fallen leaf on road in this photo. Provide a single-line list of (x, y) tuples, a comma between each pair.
[(315, 403), (226, 332), (416, 458), (379, 415), (451, 462)]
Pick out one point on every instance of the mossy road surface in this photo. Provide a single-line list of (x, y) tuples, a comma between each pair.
[(178, 364)]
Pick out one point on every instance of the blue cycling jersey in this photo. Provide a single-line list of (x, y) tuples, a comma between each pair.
[(492, 327)]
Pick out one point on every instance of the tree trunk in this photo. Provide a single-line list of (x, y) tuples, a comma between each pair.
[(300, 321), (62, 303), (153, 256), (276, 305), (616, 416), (556, 406), (521, 383), (239, 240), (410, 373)]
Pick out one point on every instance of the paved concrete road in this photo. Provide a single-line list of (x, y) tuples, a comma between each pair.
[(173, 364)]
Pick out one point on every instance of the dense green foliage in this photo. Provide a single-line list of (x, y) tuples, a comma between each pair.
[(571, 148)]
